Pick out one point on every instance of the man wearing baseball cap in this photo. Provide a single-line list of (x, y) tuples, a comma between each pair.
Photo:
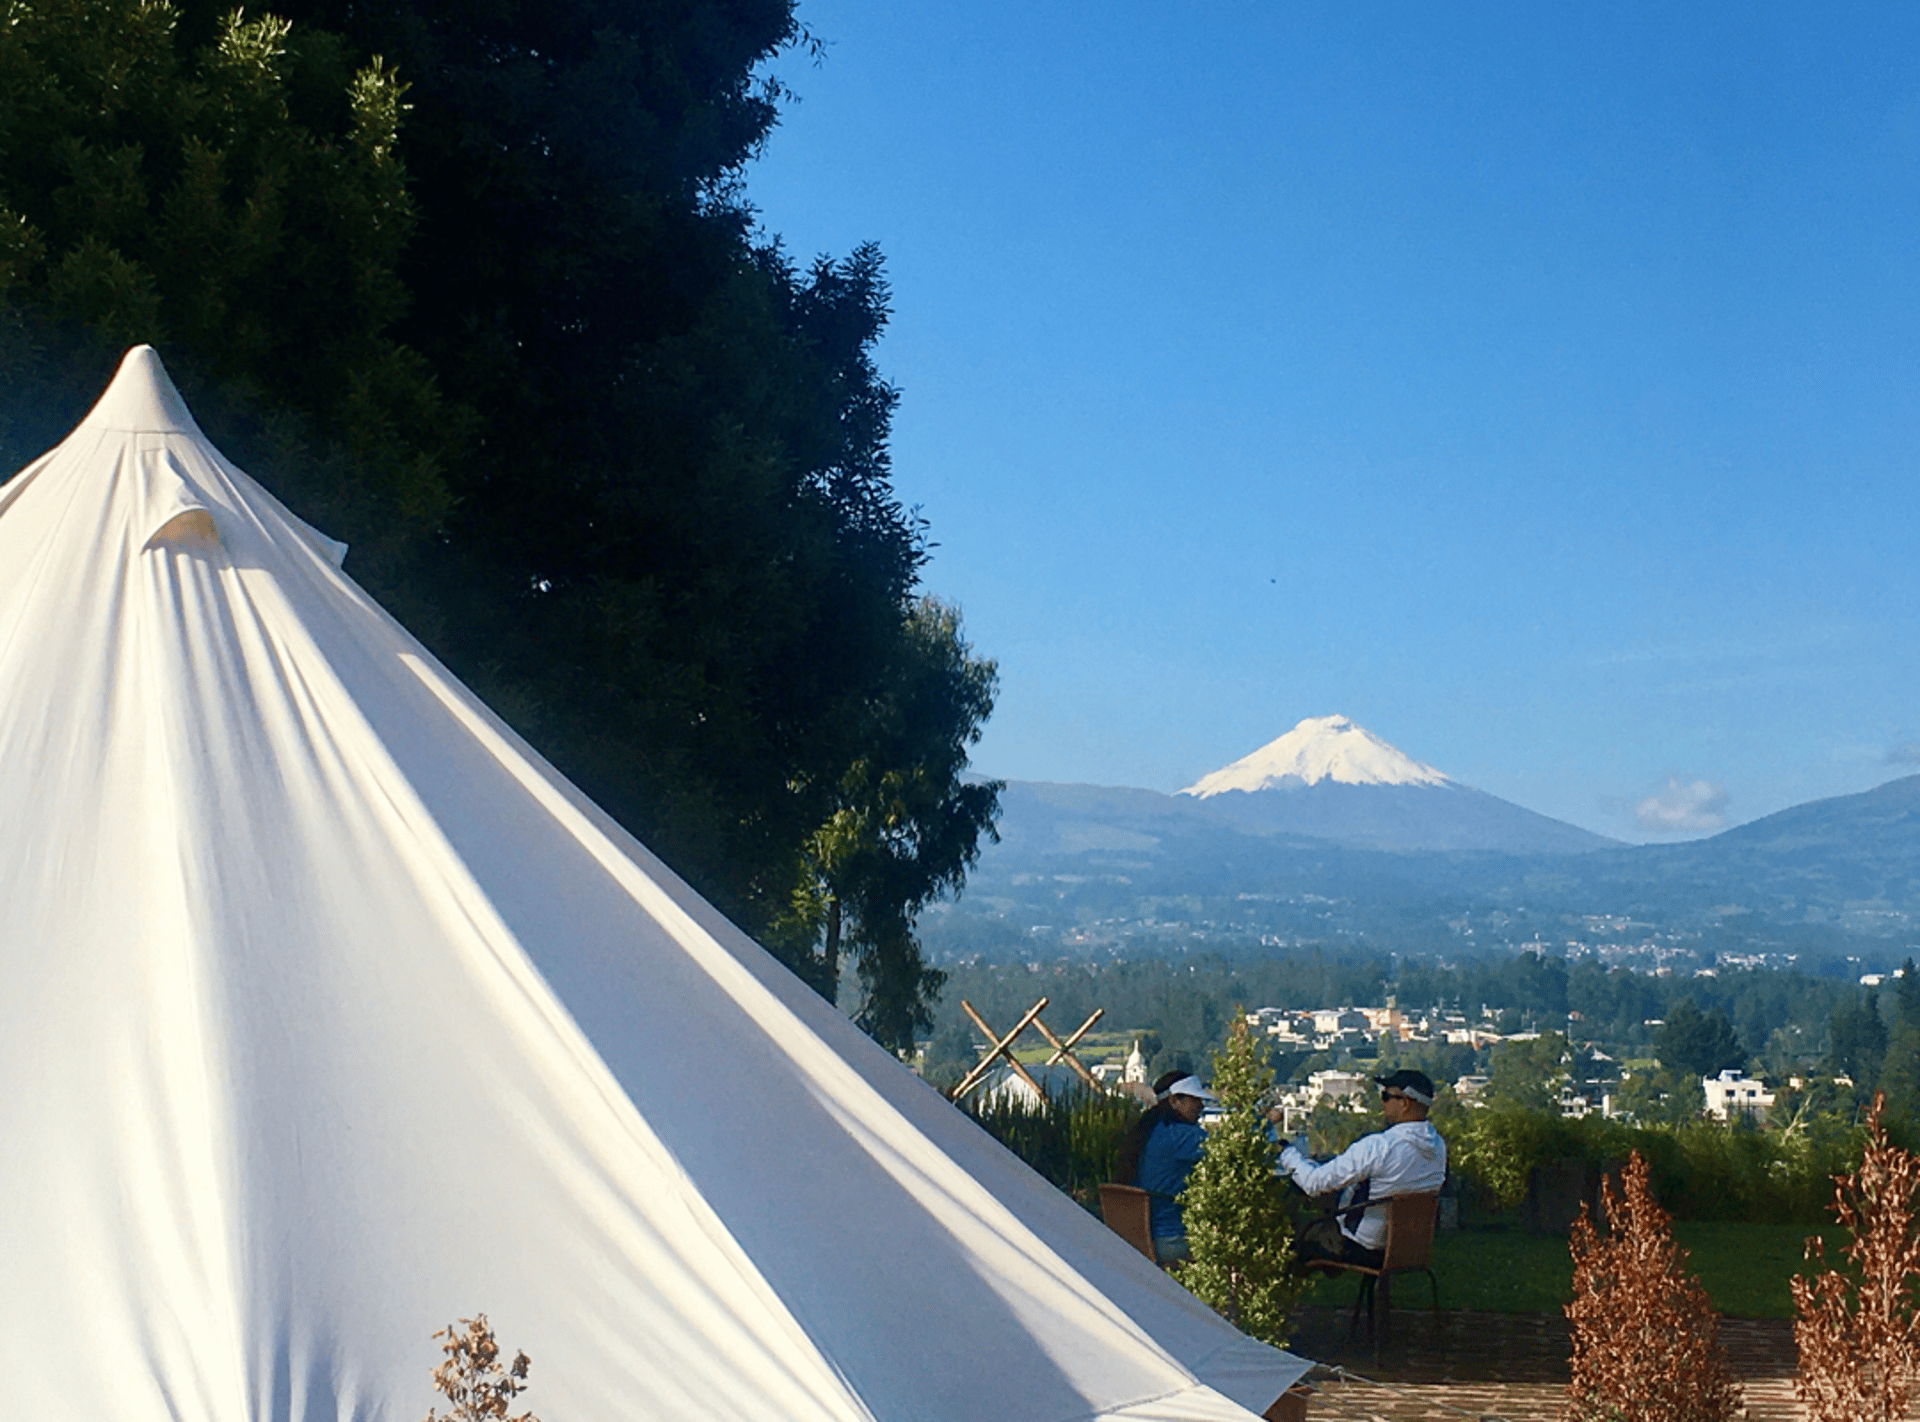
[(1408, 1157), (1167, 1158)]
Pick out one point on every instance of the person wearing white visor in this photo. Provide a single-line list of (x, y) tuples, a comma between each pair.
[(1166, 1160)]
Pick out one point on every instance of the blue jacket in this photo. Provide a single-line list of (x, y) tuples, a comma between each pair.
[(1166, 1160)]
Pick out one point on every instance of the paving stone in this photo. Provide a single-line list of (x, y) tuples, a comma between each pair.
[(1511, 1367)]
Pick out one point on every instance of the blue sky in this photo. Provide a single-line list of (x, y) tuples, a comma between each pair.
[(1535, 385)]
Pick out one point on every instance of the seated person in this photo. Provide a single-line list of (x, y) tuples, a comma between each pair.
[(1126, 1165), (1172, 1141), (1408, 1157)]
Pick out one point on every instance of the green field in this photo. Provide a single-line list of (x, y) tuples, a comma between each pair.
[(1092, 1049), (1502, 1269)]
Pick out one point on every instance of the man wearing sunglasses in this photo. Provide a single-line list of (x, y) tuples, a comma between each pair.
[(1408, 1157)]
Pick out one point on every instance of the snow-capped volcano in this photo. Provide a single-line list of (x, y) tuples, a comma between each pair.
[(1319, 748), (1331, 779)]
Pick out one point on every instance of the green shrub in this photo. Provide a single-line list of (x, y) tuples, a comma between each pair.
[(1700, 1170), (1496, 1147)]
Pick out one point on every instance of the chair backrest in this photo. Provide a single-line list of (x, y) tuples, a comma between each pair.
[(1410, 1230), (1124, 1208)]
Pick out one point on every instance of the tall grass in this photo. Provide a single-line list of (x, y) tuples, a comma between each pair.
[(1071, 1140)]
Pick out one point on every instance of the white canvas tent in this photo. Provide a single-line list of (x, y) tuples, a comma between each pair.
[(332, 1013)]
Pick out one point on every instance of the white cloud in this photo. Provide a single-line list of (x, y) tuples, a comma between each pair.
[(1683, 807), (1906, 753)]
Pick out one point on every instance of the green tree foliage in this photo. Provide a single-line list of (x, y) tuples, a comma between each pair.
[(1528, 1072), (1696, 1042), (904, 829), (1661, 1096), (643, 504), (1899, 1081), (1857, 1040), (1906, 996), (1899, 1078), (1614, 1003), (1496, 1147), (233, 194), (1791, 1050), (1238, 1225), (1701, 1169)]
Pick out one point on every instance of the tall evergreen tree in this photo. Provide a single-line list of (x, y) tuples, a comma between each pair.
[(1696, 1042), (904, 829), (1906, 996), (1237, 1220), (1857, 1041)]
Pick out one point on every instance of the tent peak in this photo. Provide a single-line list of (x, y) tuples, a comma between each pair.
[(142, 399)]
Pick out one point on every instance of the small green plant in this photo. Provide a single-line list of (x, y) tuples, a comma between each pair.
[(472, 1378), (1238, 1225), (1858, 1331), (1645, 1339)]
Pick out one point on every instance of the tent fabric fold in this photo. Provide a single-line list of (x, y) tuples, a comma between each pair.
[(172, 508), (335, 1014)]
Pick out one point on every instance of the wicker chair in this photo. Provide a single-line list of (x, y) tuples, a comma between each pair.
[(1125, 1208), (1410, 1220)]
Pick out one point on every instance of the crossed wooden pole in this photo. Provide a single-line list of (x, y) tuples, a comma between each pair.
[(1003, 1047)]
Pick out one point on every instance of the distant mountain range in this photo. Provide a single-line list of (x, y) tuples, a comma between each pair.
[(1330, 834)]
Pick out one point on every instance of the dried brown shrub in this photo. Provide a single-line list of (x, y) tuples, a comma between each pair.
[(1645, 1340), (473, 1378), (1857, 1332)]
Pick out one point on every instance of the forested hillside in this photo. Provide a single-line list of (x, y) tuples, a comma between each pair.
[(1783, 1021)]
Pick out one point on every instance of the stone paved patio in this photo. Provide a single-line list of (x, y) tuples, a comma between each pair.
[(1507, 1366)]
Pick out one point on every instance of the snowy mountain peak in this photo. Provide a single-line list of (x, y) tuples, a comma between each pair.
[(1319, 748)]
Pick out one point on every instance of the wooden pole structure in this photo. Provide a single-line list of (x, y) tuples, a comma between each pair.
[(1000, 1045), (1063, 1051), (1006, 1049)]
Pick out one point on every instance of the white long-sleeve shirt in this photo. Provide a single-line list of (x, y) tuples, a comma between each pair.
[(1407, 1159)]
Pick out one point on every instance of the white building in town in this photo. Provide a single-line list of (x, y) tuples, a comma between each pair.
[(1733, 1093)]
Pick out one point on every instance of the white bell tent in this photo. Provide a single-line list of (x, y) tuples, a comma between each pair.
[(332, 1013)]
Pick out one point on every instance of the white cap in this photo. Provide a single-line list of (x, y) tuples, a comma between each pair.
[(1191, 1086)]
